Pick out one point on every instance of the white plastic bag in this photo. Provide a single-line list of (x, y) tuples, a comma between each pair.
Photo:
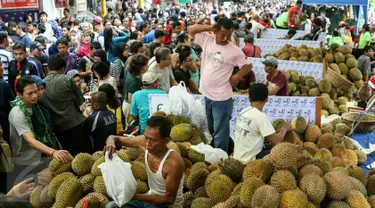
[(211, 155), (182, 103), (118, 178)]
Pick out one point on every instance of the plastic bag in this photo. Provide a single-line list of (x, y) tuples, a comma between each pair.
[(119, 180), (182, 103), (211, 155)]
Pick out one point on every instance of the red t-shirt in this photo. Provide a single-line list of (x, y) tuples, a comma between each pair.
[(293, 17), (280, 80), (168, 37)]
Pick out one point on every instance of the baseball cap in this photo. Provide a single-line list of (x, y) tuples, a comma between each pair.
[(149, 78), (270, 61), (36, 45), (38, 81)]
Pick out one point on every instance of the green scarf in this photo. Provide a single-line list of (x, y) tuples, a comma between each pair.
[(41, 133)]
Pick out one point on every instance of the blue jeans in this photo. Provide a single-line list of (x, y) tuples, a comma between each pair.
[(219, 114), (135, 204)]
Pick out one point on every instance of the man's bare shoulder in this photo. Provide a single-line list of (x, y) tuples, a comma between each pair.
[(175, 161)]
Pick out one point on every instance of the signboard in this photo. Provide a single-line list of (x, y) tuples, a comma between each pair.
[(81, 5), (303, 68), (277, 107), (19, 4), (61, 4), (277, 33)]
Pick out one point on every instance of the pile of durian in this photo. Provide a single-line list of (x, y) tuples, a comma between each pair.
[(314, 167), (341, 60), (333, 100), (300, 53)]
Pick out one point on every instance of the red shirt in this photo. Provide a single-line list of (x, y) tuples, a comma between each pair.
[(251, 50), (293, 17), (168, 36), (280, 80)]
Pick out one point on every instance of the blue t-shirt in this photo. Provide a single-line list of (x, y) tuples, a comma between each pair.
[(140, 106), (149, 37)]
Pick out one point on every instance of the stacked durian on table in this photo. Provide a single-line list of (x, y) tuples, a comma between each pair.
[(314, 167)]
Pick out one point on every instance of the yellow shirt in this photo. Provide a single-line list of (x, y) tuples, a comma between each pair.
[(118, 116)]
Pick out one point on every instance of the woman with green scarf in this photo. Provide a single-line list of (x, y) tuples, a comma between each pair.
[(30, 136)]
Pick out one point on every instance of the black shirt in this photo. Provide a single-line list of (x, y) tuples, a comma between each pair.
[(181, 75), (26, 69), (104, 127)]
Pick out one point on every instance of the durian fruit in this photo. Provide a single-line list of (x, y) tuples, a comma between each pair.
[(202, 202), (312, 133), (265, 196), (299, 124), (351, 62), (342, 129), (56, 182), (188, 199), (35, 197), (357, 200), (94, 199), (371, 200), (183, 150), (324, 154), (358, 173), (133, 153), (220, 189), (237, 189), (325, 86), (248, 188), (294, 198), (96, 155), (283, 180), (314, 187), (281, 155), (142, 187), (344, 49), (355, 74), (232, 168), (338, 185), (123, 155), (314, 92), (139, 171), (69, 193), (323, 165), (197, 179), (278, 123), (199, 165), (45, 200), (338, 204), (370, 185), (326, 141), (310, 169), (57, 167), (233, 201), (181, 132), (350, 159), (213, 167), (195, 156), (94, 169), (358, 185), (344, 68), (200, 192), (82, 164), (337, 162), (362, 157), (339, 57), (159, 113), (99, 186), (258, 168), (87, 182), (44, 177), (173, 146)]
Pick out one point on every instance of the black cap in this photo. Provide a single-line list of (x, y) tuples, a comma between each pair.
[(36, 45)]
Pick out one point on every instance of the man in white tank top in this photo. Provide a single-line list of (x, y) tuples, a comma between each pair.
[(164, 166)]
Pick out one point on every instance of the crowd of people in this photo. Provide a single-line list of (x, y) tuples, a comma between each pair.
[(67, 86)]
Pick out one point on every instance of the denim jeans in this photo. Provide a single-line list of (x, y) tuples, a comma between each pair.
[(219, 114), (135, 204)]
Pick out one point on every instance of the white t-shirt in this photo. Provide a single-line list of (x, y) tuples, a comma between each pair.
[(251, 128), (256, 27)]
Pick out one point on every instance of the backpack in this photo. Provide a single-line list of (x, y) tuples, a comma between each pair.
[(6, 162)]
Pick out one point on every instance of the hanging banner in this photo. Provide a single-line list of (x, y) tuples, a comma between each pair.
[(60, 4), (81, 5), (371, 11), (19, 4)]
